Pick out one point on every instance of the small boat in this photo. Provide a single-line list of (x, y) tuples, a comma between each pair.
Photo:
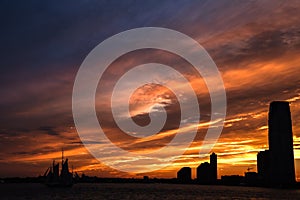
[(54, 179)]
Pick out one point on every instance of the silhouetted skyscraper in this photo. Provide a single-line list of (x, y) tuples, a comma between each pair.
[(282, 169), (184, 174), (214, 167)]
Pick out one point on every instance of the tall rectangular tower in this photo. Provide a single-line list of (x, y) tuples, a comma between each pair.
[(282, 169), (214, 167)]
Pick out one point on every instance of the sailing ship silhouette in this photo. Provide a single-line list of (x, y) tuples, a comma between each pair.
[(54, 179)]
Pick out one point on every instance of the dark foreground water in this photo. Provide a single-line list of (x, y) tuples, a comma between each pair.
[(142, 191)]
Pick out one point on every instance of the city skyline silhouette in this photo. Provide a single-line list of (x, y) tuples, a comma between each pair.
[(275, 167)]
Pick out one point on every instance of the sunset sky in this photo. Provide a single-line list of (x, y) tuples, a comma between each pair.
[(255, 45)]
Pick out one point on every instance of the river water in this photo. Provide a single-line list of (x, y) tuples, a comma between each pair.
[(134, 191)]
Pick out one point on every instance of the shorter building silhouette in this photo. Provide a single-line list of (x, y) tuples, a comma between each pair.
[(207, 172), (251, 178), (184, 175), (263, 166), (204, 173)]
